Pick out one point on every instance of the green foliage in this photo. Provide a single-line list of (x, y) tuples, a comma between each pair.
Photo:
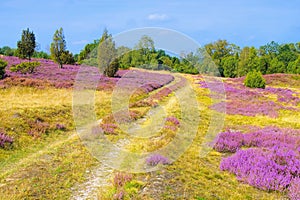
[(7, 51), (3, 64), (230, 65), (294, 67), (107, 55), (58, 47), (26, 45), (40, 54), (255, 79), (219, 50), (67, 58), (89, 51), (25, 67), (112, 69)]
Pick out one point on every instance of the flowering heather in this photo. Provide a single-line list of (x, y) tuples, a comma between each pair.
[(251, 102), (50, 75), (229, 142), (173, 120), (264, 169), (156, 159), (120, 179), (271, 161), (153, 99), (109, 128), (294, 189), (5, 139), (60, 127)]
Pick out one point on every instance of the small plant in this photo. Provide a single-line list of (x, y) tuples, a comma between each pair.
[(60, 127), (255, 79), (120, 179), (109, 128), (3, 64), (38, 128), (25, 67), (157, 159), (5, 139)]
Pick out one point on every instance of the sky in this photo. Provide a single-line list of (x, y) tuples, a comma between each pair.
[(245, 23)]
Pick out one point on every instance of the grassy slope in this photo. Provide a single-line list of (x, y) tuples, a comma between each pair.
[(44, 167), (193, 177), (48, 166)]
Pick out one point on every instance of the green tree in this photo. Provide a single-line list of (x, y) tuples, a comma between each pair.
[(26, 45), (7, 51), (3, 64), (58, 47), (67, 58), (89, 51), (276, 66), (255, 79), (145, 44), (230, 65), (219, 50), (107, 55), (294, 67), (249, 61)]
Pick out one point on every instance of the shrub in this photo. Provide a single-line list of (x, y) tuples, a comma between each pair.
[(5, 139), (120, 179), (157, 159), (255, 79), (112, 69), (25, 67), (3, 64)]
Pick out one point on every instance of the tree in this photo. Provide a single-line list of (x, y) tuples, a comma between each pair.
[(230, 65), (7, 51), (3, 64), (294, 67), (255, 79), (58, 47), (219, 50), (89, 51), (107, 55), (145, 44), (249, 61), (26, 45)]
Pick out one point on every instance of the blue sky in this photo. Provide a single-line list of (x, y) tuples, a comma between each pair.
[(245, 23)]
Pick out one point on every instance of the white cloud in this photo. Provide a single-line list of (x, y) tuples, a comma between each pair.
[(156, 16), (80, 42)]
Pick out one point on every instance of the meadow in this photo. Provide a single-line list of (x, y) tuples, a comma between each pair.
[(256, 155)]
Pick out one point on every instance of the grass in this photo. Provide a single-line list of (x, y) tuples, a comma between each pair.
[(47, 166)]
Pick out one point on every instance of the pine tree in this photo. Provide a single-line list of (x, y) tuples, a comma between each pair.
[(58, 47), (26, 45), (107, 55)]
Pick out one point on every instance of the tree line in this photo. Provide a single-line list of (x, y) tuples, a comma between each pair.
[(219, 57)]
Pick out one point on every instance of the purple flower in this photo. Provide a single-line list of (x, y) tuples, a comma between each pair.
[(156, 159), (5, 139)]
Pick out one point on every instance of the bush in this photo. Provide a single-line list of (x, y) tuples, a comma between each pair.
[(112, 69), (3, 64), (25, 67), (5, 139), (255, 79)]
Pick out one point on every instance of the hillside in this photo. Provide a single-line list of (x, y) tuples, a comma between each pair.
[(255, 155)]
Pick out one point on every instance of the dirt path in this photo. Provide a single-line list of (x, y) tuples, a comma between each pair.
[(100, 176)]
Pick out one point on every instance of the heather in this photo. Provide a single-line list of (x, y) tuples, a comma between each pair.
[(47, 74), (241, 100), (51, 161), (156, 159), (267, 158), (5, 139)]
